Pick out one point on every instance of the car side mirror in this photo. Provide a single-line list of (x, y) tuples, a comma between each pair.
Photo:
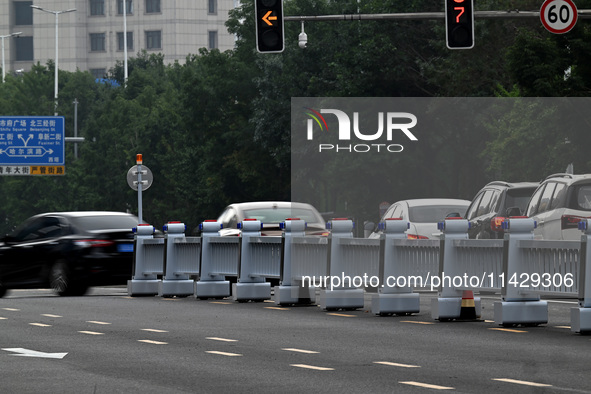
[(368, 228), (513, 211)]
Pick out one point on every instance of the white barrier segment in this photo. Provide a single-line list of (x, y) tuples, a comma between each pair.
[(309, 256), (175, 282), (516, 306), (249, 287), (210, 284), (148, 262), (288, 291), (339, 297), (581, 317), (448, 304), (392, 298)]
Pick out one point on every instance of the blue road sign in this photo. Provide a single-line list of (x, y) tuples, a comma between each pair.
[(32, 141)]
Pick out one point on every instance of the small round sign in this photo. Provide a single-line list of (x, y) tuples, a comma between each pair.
[(558, 16), (147, 177)]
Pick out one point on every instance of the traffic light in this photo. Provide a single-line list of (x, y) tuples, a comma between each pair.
[(459, 24), (269, 25)]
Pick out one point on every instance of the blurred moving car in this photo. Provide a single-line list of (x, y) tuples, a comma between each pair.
[(495, 202), (423, 215), (68, 251), (559, 204), (271, 214)]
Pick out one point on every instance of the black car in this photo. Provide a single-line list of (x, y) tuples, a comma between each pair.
[(495, 202), (68, 251)]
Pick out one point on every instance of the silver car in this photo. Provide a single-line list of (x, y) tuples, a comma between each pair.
[(271, 214), (423, 215)]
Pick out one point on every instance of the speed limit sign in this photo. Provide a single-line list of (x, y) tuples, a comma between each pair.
[(558, 16)]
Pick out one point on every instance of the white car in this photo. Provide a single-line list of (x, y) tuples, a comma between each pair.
[(559, 204), (423, 215)]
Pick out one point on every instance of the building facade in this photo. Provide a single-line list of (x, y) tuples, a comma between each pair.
[(91, 38)]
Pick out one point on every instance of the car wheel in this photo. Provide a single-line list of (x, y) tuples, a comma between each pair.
[(61, 281)]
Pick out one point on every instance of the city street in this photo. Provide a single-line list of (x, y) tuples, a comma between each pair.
[(107, 342)]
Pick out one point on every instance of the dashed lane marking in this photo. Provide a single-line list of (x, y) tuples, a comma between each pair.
[(416, 322), (427, 386), (397, 364), (50, 315), (291, 349), (40, 324), (152, 342), (341, 315), (507, 330), (221, 302), (306, 366), (276, 308), (221, 339), (98, 322), (91, 332), (153, 330), (11, 309), (223, 353), (522, 382)]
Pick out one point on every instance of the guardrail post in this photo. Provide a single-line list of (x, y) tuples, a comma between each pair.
[(517, 306), (581, 317), (248, 286), (338, 295), (448, 305), (210, 285), (393, 299), (288, 293), (174, 283), (142, 282)]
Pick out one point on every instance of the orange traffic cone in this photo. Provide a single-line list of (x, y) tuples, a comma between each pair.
[(468, 309)]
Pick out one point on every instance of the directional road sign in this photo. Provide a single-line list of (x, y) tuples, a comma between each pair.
[(32, 145)]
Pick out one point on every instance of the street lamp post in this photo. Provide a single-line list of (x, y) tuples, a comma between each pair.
[(56, 13), (3, 63)]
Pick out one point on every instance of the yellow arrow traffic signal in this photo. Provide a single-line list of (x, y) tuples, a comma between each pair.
[(267, 18)]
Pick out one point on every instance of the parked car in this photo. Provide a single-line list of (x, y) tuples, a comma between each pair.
[(495, 202), (271, 214), (423, 215), (68, 251), (559, 204)]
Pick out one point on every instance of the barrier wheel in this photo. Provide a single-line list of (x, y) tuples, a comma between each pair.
[(509, 325), (444, 319)]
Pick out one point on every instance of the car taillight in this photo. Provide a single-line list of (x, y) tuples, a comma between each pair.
[(496, 224), (415, 236), (93, 243), (571, 221)]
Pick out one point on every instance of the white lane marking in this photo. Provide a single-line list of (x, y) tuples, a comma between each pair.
[(523, 382), (40, 324), (50, 315), (152, 342), (223, 353), (507, 330), (222, 339), (91, 332), (341, 314), (306, 366), (397, 364), (33, 353), (416, 322), (153, 330), (11, 309), (276, 308), (98, 322), (291, 349), (427, 386)]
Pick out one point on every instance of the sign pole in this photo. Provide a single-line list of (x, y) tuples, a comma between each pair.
[(139, 186)]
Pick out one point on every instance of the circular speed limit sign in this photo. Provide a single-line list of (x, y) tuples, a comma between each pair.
[(558, 16)]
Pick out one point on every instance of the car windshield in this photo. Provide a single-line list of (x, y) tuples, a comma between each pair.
[(92, 223), (434, 214), (278, 215), (518, 198)]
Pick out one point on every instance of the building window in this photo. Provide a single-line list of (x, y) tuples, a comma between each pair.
[(98, 73), (24, 48), (212, 7), (128, 9), (97, 7), (152, 6), (120, 46), (97, 42), (23, 13), (212, 39), (154, 39)]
